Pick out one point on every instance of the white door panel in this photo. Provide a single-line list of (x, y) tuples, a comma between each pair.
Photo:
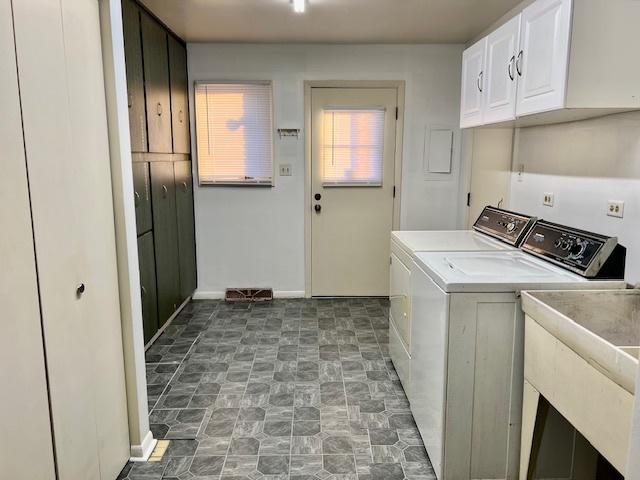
[(501, 81), (350, 232), (544, 45), (473, 59)]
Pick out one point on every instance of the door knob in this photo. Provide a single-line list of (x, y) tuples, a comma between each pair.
[(80, 290), (317, 196), (317, 208)]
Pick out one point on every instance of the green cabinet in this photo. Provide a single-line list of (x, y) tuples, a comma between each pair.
[(156, 84), (147, 266), (165, 233), (135, 76), (186, 228), (179, 96), (142, 197)]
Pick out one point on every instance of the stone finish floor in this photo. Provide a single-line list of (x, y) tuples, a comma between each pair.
[(289, 389)]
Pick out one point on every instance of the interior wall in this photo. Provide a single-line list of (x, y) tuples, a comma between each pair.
[(584, 164), (254, 236)]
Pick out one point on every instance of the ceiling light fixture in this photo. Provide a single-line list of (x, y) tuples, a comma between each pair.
[(298, 5)]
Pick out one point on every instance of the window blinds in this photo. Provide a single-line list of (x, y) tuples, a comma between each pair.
[(352, 146), (234, 133)]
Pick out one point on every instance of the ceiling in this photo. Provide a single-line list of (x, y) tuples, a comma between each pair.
[(330, 21)]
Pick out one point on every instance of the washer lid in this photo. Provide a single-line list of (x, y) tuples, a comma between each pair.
[(495, 272), (447, 241)]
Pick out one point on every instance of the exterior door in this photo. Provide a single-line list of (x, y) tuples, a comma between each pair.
[(353, 143), (58, 49), (546, 28), (27, 447), (472, 84), (500, 91)]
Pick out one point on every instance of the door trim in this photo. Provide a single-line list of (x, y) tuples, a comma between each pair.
[(399, 85)]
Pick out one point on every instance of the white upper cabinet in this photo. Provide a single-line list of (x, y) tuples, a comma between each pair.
[(500, 92), (472, 84), (556, 61), (543, 58)]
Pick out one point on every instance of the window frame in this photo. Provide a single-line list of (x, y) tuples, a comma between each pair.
[(236, 183)]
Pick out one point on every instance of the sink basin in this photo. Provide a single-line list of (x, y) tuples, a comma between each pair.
[(602, 326)]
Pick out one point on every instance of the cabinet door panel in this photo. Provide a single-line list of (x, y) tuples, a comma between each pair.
[(546, 27), (142, 196), (179, 96), (165, 232), (500, 92), (135, 76), (186, 228), (472, 84), (156, 75), (146, 263)]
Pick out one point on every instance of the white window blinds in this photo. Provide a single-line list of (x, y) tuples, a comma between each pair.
[(234, 133), (352, 146)]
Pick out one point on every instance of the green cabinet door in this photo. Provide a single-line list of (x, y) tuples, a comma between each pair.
[(142, 196), (179, 96), (186, 228), (156, 75), (146, 263), (135, 75), (165, 232)]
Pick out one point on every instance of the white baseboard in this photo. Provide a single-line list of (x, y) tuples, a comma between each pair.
[(142, 452), (204, 295)]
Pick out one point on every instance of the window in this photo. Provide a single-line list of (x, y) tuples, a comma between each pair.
[(234, 133), (352, 146)]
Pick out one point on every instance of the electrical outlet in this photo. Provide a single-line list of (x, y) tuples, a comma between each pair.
[(285, 169), (615, 208), (548, 199)]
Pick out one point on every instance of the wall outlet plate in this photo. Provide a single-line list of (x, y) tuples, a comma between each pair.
[(547, 199), (615, 208), (285, 169)]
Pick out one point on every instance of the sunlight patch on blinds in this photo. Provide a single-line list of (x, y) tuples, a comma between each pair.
[(234, 133), (352, 146)]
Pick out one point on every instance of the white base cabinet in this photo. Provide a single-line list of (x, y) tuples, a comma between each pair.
[(400, 315), (556, 61)]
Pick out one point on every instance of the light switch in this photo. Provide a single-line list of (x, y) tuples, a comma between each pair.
[(285, 169)]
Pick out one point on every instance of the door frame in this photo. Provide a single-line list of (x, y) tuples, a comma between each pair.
[(399, 86)]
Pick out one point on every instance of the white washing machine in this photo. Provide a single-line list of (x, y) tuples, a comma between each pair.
[(494, 230), (467, 341)]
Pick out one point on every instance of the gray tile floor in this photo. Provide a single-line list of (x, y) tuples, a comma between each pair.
[(290, 389)]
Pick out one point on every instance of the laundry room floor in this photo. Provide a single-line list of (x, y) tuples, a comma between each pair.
[(288, 389)]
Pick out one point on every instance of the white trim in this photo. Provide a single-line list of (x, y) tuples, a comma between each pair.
[(203, 295), (167, 323), (142, 452)]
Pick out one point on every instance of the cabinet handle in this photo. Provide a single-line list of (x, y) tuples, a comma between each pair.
[(143, 290), (180, 116), (80, 290), (510, 67), (137, 195), (519, 63), (130, 100), (165, 190), (479, 82), (185, 186), (159, 108)]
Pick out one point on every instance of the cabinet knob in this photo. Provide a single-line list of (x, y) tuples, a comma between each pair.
[(80, 290), (159, 108)]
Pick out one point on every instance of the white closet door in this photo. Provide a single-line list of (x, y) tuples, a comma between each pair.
[(63, 103), (501, 82), (472, 84), (546, 28), (27, 448)]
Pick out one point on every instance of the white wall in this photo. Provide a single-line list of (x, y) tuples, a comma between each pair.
[(584, 164), (255, 236)]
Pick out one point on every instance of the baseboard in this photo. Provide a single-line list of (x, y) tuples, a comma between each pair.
[(204, 295), (167, 323), (141, 453)]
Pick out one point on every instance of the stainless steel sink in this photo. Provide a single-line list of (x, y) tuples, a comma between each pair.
[(601, 326)]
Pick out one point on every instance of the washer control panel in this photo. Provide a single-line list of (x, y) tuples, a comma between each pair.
[(510, 227), (577, 250)]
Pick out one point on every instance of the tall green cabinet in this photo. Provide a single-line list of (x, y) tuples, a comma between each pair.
[(156, 63)]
